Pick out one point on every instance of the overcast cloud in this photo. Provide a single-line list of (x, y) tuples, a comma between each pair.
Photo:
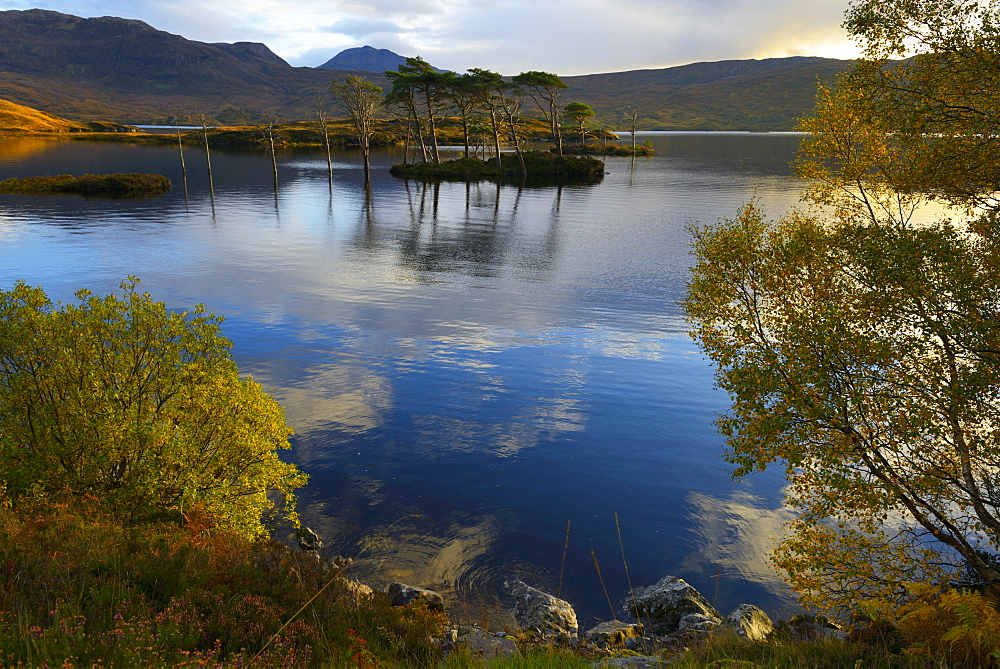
[(508, 36)]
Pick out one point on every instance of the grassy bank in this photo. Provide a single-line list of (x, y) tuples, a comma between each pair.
[(90, 185), (80, 588), (609, 150)]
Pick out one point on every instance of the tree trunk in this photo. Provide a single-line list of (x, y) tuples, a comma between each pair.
[(517, 143), (465, 133), (329, 158), (274, 158), (208, 159), (406, 139), (431, 128), (495, 126), (180, 150), (420, 137)]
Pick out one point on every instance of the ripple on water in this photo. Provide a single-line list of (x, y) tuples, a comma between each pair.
[(456, 557)]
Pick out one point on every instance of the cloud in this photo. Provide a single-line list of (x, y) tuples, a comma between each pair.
[(358, 28)]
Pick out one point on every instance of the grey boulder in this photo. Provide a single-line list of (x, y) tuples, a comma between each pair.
[(401, 594), (542, 613), (663, 604), (749, 622)]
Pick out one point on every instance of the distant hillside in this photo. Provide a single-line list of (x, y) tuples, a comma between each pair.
[(18, 118), (112, 68), (251, 52), (769, 94), (365, 58), (127, 71)]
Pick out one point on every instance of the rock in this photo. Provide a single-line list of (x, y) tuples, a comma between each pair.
[(542, 613), (308, 540), (340, 562), (401, 594), (614, 634), (356, 590), (805, 627), (664, 604), (635, 661), (749, 622), (698, 622), (482, 644)]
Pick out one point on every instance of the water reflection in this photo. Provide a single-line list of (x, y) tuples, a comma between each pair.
[(19, 149), (734, 536), (467, 366)]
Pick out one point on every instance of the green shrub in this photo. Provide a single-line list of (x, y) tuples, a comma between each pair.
[(137, 406)]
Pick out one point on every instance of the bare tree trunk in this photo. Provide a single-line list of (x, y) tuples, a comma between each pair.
[(180, 150), (329, 158), (208, 155), (274, 158)]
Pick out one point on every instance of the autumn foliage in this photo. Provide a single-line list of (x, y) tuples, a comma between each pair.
[(141, 408), (858, 339)]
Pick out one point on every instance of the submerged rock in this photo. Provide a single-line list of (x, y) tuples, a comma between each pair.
[(401, 594), (542, 613), (665, 603)]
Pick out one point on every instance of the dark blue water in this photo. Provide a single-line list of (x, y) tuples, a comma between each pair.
[(468, 367)]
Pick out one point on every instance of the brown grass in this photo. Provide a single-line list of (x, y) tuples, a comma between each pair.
[(17, 118)]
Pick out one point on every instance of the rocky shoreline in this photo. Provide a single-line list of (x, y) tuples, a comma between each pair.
[(669, 614)]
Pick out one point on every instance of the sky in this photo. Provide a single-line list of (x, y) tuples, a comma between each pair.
[(566, 37)]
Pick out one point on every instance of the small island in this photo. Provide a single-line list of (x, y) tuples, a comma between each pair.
[(90, 185), (538, 165)]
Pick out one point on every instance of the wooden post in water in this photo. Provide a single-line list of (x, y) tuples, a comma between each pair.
[(208, 155)]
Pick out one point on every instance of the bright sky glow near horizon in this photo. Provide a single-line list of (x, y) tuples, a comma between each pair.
[(509, 36)]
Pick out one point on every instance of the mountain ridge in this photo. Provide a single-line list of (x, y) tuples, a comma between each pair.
[(110, 68)]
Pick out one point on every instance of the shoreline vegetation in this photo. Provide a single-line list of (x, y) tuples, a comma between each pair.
[(538, 165), (90, 185), (82, 588), (608, 150)]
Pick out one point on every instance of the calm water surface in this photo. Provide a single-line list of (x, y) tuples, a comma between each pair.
[(467, 367)]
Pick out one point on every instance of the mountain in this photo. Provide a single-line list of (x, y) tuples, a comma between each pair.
[(124, 70), (365, 58), (251, 52), (769, 94)]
